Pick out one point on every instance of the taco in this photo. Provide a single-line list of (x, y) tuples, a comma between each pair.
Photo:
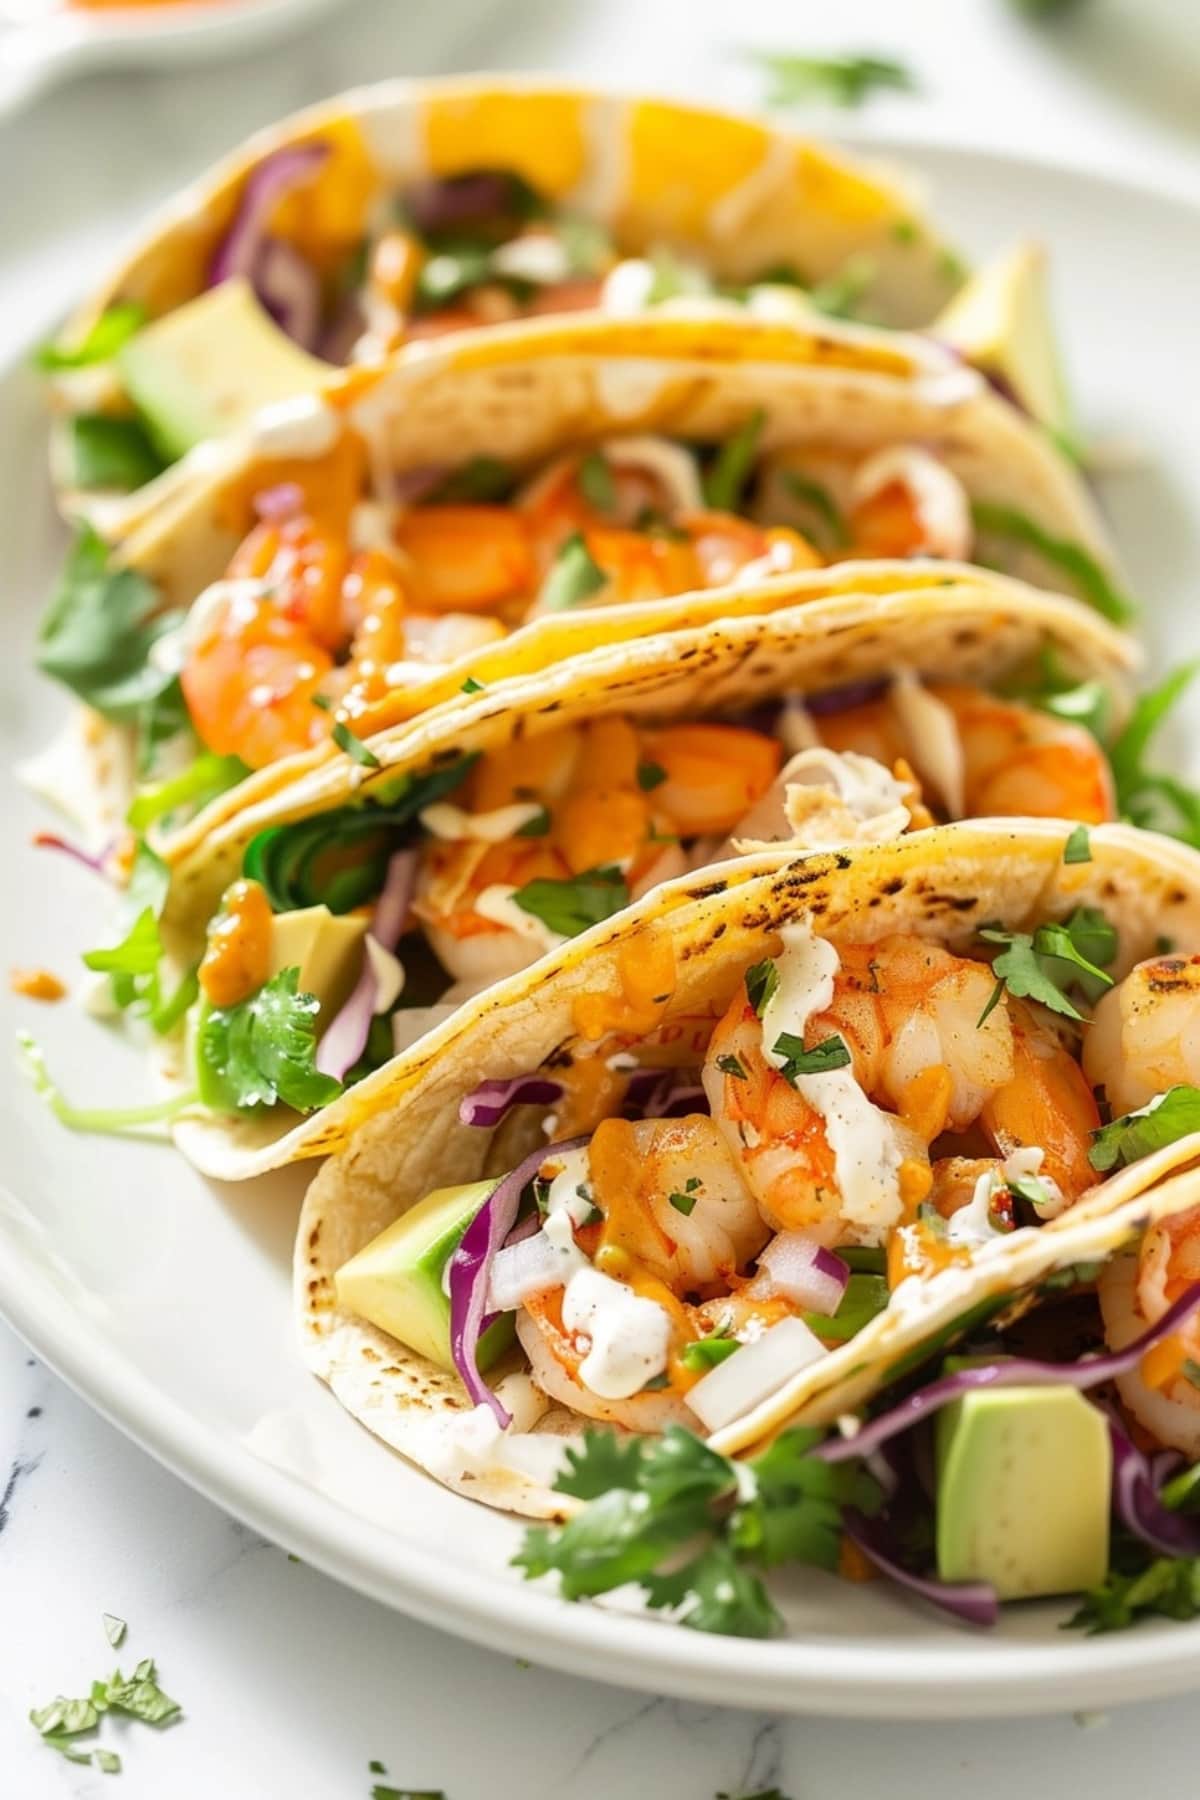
[(640, 475), (400, 212), (737, 1169), (341, 919)]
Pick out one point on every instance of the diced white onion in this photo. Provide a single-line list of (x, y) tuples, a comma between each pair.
[(799, 1269), (533, 1266), (753, 1373)]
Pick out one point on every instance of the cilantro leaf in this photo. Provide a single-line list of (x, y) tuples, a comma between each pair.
[(481, 479), (136, 954), (1085, 574), (840, 295), (1078, 847), (731, 1065), (650, 775), (114, 1629), (1172, 1116), (831, 1053), (678, 1497), (1169, 1587), (141, 1696), (110, 452), (1043, 964), (762, 980), (839, 80), (263, 1050), (604, 1461), (571, 906), (98, 633), (725, 481), (574, 576), (115, 326)]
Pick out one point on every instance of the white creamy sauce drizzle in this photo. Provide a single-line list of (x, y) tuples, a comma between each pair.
[(564, 1196), (626, 288), (932, 737), (388, 971), (867, 1155), (453, 825), (538, 257), (303, 426), (628, 1338), (823, 797)]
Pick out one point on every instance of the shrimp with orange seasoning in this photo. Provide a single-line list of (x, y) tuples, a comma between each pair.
[(605, 794), (1016, 759), (922, 1062), (1135, 1289)]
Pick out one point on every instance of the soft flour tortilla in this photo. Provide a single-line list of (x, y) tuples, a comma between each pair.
[(943, 884), (526, 393), (741, 196), (977, 630)]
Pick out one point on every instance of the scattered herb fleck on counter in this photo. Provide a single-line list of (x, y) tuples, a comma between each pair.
[(839, 80)]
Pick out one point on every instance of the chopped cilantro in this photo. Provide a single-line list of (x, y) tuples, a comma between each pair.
[(354, 747), (537, 826), (114, 1629), (831, 1053), (840, 295), (115, 326), (1032, 1190), (471, 686), (263, 1050), (656, 1501), (1042, 965), (574, 576), (725, 481), (1078, 847), (839, 80), (109, 452), (730, 1065), (684, 1203), (762, 980), (139, 1697), (569, 907), (596, 482), (482, 479), (1173, 1115), (98, 633), (1168, 1587), (650, 775)]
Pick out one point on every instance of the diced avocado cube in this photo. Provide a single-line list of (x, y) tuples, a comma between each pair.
[(326, 947), (1001, 321), (1024, 1478), (395, 1282), (206, 368)]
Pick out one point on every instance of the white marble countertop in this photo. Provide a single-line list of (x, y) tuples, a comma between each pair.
[(291, 1685)]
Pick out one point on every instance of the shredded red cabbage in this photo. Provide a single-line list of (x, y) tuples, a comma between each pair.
[(345, 1039), (489, 1101), (974, 1602), (1019, 1371), (1136, 1502), (451, 202), (663, 1094), (292, 298), (96, 861), (470, 1270), (842, 699)]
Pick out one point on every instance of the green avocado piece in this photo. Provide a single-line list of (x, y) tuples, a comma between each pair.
[(1000, 320), (1024, 1480), (206, 368), (395, 1282)]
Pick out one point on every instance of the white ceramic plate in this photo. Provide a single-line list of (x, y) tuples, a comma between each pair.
[(165, 1301), (45, 41)]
